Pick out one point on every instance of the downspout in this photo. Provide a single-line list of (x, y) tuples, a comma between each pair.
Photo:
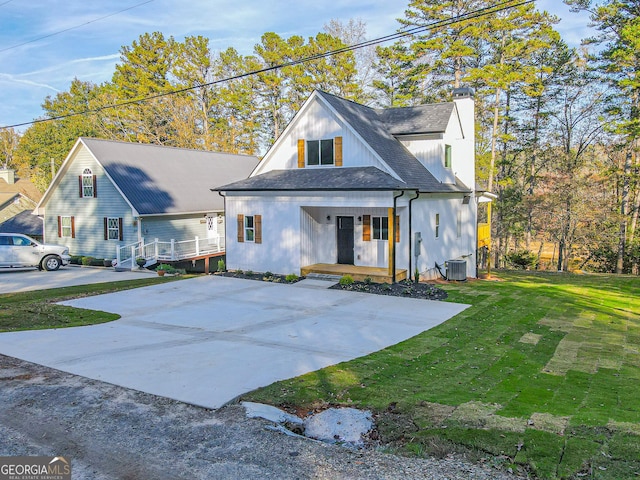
[(411, 235), (224, 209), (393, 240)]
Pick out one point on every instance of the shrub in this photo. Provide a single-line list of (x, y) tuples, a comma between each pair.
[(522, 259), (239, 272), (87, 261), (416, 275), (292, 277), (386, 287), (167, 268), (249, 273), (368, 280), (346, 280), (268, 274), (97, 262), (221, 266), (76, 260)]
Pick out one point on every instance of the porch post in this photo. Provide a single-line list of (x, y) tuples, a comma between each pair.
[(173, 249), (197, 247)]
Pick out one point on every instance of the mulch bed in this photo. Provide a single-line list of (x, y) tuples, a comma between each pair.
[(404, 288), (263, 277)]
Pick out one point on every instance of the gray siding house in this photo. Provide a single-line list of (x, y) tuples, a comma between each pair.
[(124, 200)]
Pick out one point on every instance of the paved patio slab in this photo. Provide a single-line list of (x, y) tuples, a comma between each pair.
[(207, 340)]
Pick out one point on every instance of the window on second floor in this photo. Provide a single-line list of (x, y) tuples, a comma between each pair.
[(320, 152), (325, 152), (447, 156), (87, 184)]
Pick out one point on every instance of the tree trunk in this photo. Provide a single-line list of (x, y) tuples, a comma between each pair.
[(622, 239)]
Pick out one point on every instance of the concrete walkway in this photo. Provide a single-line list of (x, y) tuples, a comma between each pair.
[(207, 340)]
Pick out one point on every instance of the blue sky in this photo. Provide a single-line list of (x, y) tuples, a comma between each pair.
[(30, 72)]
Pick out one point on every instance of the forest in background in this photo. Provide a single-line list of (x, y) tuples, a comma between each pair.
[(557, 127)]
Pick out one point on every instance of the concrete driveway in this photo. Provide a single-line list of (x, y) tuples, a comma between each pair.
[(207, 340), (29, 279)]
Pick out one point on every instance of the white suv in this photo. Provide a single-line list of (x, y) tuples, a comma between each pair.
[(17, 250)]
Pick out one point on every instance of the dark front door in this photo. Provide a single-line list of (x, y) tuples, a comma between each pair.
[(345, 240)]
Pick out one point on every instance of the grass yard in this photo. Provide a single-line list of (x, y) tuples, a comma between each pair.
[(541, 374), (37, 310)]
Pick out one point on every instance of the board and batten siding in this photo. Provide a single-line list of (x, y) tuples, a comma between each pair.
[(448, 245), (319, 123), (89, 212), (296, 232)]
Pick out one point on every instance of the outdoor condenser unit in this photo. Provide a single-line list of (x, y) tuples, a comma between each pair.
[(456, 270)]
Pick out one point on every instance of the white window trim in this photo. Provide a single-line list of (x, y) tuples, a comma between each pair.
[(373, 229), (251, 229), (320, 164), (64, 227), (448, 147), (115, 229), (87, 183), (437, 229)]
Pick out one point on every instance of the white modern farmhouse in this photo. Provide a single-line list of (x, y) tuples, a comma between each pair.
[(346, 188)]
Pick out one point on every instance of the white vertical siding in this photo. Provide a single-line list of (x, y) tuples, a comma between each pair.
[(448, 246), (319, 123)]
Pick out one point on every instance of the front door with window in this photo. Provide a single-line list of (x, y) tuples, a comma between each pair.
[(345, 240)]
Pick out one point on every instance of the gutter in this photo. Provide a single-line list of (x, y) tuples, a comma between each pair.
[(410, 234), (393, 240)]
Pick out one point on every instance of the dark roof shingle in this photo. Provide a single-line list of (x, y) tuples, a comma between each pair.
[(166, 180)]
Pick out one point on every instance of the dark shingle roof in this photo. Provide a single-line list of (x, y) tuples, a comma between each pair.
[(24, 223), (166, 180), (356, 178), (370, 124), (431, 118)]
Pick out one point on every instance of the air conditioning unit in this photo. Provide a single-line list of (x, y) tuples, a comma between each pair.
[(457, 270)]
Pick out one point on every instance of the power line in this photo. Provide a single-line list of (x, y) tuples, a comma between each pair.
[(72, 28), (499, 7)]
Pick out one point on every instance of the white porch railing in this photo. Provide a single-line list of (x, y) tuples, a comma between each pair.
[(158, 251)]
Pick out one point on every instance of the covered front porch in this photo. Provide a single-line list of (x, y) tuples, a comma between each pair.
[(359, 273)]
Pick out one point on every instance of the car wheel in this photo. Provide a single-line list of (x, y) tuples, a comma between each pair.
[(51, 263)]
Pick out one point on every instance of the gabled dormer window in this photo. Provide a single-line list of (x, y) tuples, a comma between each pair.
[(87, 184), (318, 153)]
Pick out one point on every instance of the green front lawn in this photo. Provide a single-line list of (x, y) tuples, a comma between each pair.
[(541, 373), (38, 310)]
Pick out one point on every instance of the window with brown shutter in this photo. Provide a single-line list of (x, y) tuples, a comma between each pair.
[(73, 227), (60, 225), (397, 228), (95, 187), (240, 228), (80, 185), (120, 235), (106, 228), (300, 153), (366, 228)]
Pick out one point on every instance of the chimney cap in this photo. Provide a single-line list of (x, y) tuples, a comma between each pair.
[(463, 92)]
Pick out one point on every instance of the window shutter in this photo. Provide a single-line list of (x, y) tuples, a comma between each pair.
[(80, 185), (300, 153), (240, 228), (59, 226), (95, 187), (73, 227), (257, 223), (106, 228), (366, 228), (396, 227), (337, 145), (120, 233)]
